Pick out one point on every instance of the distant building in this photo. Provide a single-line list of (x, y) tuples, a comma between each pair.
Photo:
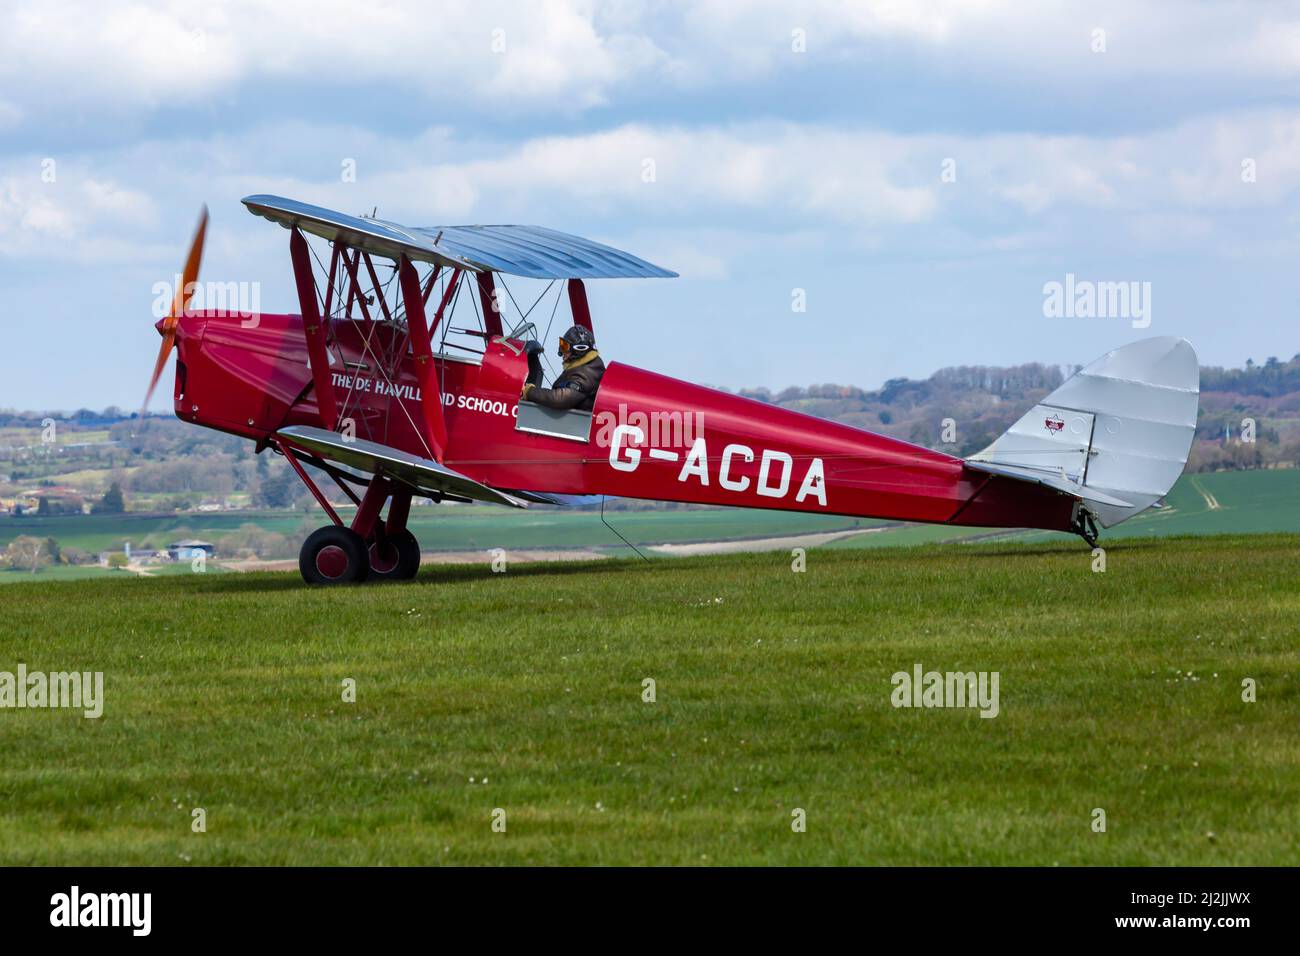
[(184, 550), (137, 556), (141, 555)]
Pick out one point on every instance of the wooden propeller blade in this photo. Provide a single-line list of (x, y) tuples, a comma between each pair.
[(169, 337), (180, 302), (191, 273)]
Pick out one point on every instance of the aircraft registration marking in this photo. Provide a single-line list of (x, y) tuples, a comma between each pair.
[(775, 469)]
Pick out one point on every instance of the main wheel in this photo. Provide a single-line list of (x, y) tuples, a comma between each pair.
[(396, 558), (333, 555)]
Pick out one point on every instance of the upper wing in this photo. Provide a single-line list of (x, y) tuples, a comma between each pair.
[(375, 236), (531, 251), (536, 252), (422, 473)]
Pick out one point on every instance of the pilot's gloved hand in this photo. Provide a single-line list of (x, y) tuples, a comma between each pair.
[(534, 347), (528, 386)]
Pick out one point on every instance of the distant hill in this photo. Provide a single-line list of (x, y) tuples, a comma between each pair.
[(984, 401)]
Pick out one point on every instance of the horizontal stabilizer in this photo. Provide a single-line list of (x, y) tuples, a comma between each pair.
[(1051, 481), (424, 474)]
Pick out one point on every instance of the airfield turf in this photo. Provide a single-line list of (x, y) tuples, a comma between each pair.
[(523, 691)]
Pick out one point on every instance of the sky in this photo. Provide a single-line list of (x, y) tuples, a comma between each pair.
[(851, 191)]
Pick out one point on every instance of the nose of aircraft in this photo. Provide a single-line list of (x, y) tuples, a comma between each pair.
[(189, 325)]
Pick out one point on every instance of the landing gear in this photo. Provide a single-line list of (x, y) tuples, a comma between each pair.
[(394, 557), (373, 547), (334, 555), (1085, 527)]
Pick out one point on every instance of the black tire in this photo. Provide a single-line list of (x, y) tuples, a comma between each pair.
[(397, 560), (333, 555)]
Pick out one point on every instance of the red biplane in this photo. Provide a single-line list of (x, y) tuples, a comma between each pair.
[(372, 383)]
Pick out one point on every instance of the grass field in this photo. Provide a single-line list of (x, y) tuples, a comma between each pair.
[(523, 691), (454, 528), (1225, 502), (108, 532)]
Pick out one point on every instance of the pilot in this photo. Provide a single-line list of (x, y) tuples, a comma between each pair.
[(575, 387)]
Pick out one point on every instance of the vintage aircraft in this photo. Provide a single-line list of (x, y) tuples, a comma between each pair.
[(371, 384)]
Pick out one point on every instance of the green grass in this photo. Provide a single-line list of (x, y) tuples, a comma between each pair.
[(66, 435), (109, 532), (88, 480), (93, 572), (909, 534), (488, 528), (1249, 502), (444, 529), (63, 572), (223, 692)]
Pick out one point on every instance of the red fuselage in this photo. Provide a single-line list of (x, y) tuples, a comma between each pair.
[(651, 436)]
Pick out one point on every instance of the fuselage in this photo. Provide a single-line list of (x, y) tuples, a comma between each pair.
[(650, 436)]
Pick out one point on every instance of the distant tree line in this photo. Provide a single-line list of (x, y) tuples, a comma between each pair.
[(984, 401), (83, 417)]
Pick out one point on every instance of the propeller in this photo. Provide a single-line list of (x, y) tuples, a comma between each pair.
[(179, 304)]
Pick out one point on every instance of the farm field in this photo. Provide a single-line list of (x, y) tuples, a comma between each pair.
[(455, 528), (1215, 503), (1224, 502)]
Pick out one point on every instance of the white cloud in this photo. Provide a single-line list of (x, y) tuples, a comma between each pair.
[(559, 56), (169, 52), (75, 217), (1014, 42), (874, 189), (1170, 229), (665, 172)]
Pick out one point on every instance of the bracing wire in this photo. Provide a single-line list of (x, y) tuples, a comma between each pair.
[(616, 531)]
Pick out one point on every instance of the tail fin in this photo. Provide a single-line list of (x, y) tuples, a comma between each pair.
[(1116, 434)]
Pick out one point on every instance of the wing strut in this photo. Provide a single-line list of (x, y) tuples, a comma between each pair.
[(446, 299), (491, 311), (354, 287), (422, 346), (314, 329), (578, 305)]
